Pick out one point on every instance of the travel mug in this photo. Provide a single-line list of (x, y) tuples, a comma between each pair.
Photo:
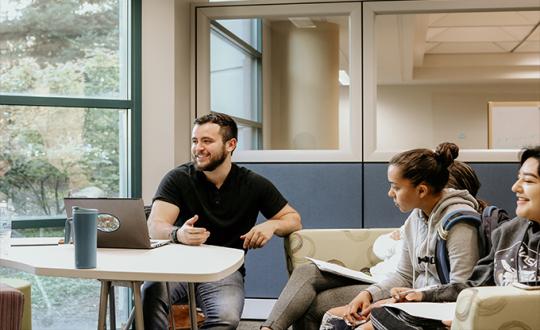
[(85, 237)]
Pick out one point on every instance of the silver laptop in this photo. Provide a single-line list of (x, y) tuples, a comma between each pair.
[(121, 222)]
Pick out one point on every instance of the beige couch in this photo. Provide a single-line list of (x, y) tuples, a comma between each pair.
[(478, 308)]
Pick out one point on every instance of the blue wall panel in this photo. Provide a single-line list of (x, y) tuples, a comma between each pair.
[(379, 210), (496, 183), (330, 196), (326, 195)]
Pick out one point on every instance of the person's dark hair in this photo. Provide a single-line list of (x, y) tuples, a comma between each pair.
[(228, 128), (462, 176), (527, 153), (424, 165)]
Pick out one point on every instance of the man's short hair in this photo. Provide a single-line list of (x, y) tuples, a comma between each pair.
[(228, 127)]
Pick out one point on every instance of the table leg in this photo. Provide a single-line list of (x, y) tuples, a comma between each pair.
[(139, 319), (112, 309), (192, 300), (171, 311), (105, 286)]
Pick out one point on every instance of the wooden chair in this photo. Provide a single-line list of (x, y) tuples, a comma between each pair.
[(181, 317), (11, 307)]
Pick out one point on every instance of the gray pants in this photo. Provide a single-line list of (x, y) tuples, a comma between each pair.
[(309, 293), (221, 301)]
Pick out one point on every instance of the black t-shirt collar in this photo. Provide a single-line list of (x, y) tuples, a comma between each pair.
[(199, 175)]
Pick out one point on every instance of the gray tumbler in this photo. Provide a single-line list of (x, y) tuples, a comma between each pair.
[(85, 237)]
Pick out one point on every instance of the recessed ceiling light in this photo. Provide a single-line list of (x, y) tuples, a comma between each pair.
[(344, 78), (303, 22)]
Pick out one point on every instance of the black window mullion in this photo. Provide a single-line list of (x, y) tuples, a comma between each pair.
[(64, 102)]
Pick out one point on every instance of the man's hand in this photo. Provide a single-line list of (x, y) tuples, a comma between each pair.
[(259, 235), (190, 235), (406, 294)]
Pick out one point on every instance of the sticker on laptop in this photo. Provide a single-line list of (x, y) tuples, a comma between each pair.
[(107, 223)]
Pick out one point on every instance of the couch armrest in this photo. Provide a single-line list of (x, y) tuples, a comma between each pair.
[(352, 248), (497, 308)]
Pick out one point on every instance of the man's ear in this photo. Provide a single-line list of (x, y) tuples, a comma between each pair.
[(231, 144), (423, 190)]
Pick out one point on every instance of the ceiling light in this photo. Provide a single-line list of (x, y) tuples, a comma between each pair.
[(303, 22), (344, 78)]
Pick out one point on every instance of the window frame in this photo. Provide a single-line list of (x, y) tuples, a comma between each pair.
[(350, 125), (370, 10), (132, 104), (254, 53)]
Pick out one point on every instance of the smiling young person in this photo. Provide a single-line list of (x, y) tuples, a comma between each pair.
[(213, 201), (417, 178), (514, 256)]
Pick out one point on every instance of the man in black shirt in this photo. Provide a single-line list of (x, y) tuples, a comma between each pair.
[(213, 201)]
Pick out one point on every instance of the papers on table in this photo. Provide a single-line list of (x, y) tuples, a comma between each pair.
[(434, 311), (340, 270), (33, 241)]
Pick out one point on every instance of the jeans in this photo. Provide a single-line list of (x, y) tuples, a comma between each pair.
[(221, 302), (309, 293)]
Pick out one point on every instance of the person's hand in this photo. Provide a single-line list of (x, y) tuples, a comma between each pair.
[(395, 235), (367, 310), (259, 235), (360, 303), (190, 235), (406, 294)]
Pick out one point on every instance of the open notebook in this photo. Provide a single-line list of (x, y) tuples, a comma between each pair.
[(121, 222)]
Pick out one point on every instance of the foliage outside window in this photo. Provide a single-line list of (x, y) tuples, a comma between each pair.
[(71, 54), (69, 119)]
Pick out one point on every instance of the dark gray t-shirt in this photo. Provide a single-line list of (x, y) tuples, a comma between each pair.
[(514, 251), (227, 212)]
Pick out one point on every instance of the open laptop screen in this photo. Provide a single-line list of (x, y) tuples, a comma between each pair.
[(121, 221)]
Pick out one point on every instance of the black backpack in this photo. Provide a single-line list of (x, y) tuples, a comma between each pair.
[(491, 218)]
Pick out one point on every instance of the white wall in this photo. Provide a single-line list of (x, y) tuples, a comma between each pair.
[(412, 116), (165, 89)]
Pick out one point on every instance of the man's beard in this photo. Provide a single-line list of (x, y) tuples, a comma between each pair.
[(213, 163)]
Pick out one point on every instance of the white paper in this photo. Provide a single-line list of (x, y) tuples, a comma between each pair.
[(32, 241), (340, 270), (434, 311)]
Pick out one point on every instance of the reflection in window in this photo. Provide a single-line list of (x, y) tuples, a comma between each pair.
[(298, 60), (235, 65), (437, 72)]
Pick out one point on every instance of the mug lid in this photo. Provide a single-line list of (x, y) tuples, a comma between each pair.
[(80, 210)]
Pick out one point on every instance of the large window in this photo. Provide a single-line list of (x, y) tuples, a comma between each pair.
[(69, 126)]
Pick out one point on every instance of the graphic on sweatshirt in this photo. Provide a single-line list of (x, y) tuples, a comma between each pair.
[(505, 265)]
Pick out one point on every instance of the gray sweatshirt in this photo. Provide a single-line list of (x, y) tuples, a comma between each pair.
[(499, 267), (420, 240)]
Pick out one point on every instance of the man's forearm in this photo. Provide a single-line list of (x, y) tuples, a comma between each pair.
[(287, 224), (160, 229)]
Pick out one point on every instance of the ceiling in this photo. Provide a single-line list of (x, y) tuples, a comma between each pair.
[(458, 47), (497, 32), (449, 47)]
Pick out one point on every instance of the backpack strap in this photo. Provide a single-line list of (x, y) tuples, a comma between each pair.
[(442, 262), (492, 218)]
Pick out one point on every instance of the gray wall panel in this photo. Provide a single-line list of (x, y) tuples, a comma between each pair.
[(326, 195), (496, 183), (379, 210), (330, 196)]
